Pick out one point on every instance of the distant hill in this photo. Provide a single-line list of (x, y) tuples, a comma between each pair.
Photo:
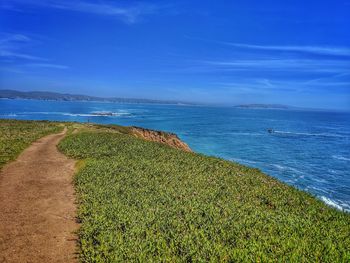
[(265, 106), (46, 95)]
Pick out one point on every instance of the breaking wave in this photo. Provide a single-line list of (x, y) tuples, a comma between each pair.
[(9, 115), (331, 203), (91, 114)]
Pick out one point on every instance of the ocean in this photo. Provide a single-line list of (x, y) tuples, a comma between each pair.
[(307, 149)]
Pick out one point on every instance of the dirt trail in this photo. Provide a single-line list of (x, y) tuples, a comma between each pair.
[(37, 210)]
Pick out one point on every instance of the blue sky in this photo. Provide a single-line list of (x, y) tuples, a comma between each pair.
[(222, 52)]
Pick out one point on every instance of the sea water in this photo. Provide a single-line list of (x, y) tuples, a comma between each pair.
[(307, 149)]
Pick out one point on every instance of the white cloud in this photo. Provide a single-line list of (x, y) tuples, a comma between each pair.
[(11, 50), (13, 38), (298, 65), (321, 50), (317, 49), (11, 44), (127, 13), (16, 55), (268, 85), (47, 65)]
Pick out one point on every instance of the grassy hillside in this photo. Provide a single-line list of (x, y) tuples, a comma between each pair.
[(15, 136), (143, 201)]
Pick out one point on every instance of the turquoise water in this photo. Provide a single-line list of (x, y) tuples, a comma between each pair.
[(308, 149)]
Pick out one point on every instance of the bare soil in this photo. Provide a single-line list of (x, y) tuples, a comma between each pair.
[(37, 206), (171, 139)]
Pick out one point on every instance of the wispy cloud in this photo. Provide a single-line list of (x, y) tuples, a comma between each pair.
[(11, 44), (16, 55), (255, 85), (128, 13), (321, 50), (14, 38), (288, 85), (298, 65), (47, 65), (12, 52), (315, 49), (338, 81)]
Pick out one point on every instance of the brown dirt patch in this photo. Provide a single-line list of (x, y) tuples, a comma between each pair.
[(37, 205), (170, 139)]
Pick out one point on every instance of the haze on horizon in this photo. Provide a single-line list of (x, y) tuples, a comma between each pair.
[(237, 52)]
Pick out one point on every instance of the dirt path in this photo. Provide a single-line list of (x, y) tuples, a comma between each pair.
[(37, 210)]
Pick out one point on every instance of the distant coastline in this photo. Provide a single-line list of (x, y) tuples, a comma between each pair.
[(284, 107), (55, 96), (266, 106)]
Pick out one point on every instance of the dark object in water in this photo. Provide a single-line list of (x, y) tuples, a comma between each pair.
[(103, 113), (270, 130)]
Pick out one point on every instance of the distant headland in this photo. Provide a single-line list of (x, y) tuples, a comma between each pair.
[(265, 106), (56, 96), (260, 106), (47, 95)]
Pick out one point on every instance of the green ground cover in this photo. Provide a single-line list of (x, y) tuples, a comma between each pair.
[(15, 136), (141, 201)]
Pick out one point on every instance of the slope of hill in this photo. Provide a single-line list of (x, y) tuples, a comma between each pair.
[(143, 201), (140, 200)]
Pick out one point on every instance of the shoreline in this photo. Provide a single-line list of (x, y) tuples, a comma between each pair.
[(133, 191), (172, 140)]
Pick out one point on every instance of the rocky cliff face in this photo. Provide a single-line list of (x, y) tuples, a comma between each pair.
[(170, 139)]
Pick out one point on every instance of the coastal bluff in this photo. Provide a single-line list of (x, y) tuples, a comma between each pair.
[(167, 138)]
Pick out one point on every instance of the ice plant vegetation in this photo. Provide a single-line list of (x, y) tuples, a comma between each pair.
[(15, 136), (142, 201)]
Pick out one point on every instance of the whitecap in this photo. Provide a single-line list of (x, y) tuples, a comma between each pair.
[(110, 114), (331, 203), (78, 114), (92, 114), (56, 113), (9, 115), (284, 168), (42, 112), (280, 167), (342, 158)]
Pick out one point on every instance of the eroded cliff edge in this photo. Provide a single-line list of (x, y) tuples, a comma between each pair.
[(170, 139)]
